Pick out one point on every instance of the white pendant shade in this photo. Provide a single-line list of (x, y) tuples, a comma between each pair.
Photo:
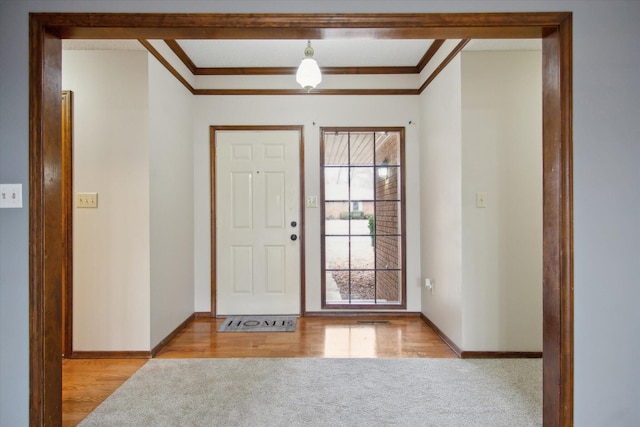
[(308, 75)]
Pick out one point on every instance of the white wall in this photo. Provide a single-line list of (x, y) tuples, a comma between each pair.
[(502, 243), (111, 157), (482, 132), (440, 194), (171, 201), (133, 256), (304, 110), (606, 106)]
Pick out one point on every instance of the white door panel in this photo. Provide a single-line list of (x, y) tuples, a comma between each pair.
[(257, 198)]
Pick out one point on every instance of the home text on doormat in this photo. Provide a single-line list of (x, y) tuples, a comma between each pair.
[(258, 324)]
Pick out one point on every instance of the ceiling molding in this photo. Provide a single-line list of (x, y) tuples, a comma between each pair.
[(180, 53), (429, 54), (270, 71), (393, 26), (444, 63), (166, 64), (173, 45), (235, 92), (255, 71)]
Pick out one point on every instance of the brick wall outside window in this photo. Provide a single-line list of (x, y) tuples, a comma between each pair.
[(387, 223)]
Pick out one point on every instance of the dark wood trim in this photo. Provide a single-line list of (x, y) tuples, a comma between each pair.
[(369, 70), (557, 95), (236, 92), (321, 208), (213, 220), (45, 211), (300, 26), (501, 355), (370, 313), (429, 54), (341, 307), (166, 64), (565, 201), (302, 227), (180, 53), (444, 63), (448, 341), (203, 314), (403, 214), (46, 238), (245, 71), (298, 128), (110, 355), (212, 168), (67, 220), (158, 348)]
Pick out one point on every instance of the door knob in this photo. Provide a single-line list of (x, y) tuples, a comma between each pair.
[(294, 237), (293, 223)]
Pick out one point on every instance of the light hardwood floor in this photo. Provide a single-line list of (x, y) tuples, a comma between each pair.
[(87, 382)]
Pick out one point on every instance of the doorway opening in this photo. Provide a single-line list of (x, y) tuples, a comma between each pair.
[(45, 211)]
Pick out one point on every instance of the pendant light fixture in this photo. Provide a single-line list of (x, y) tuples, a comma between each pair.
[(308, 75)]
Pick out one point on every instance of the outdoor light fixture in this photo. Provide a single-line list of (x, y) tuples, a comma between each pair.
[(308, 75), (383, 170)]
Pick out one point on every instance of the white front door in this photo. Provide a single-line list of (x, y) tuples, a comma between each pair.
[(257, 221)]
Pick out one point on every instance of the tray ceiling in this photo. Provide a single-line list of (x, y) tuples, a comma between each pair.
[(288, 53), (337, 56)]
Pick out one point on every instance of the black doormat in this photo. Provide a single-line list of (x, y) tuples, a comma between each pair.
[(258, 324)]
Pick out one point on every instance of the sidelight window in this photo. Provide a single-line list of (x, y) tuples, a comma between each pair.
[(363, 255)]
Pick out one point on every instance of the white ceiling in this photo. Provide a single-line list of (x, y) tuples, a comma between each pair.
[(72, 44), (288, 53), (504, 44)]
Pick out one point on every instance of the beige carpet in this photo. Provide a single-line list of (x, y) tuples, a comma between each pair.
[(327, 392)]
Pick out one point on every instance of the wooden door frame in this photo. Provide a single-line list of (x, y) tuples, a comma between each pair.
[(46, 237), (213, 216), (67, 220)]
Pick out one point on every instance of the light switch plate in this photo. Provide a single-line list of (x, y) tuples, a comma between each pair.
[(481, 200), (86, 200), (312, 201), (10, 195)]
